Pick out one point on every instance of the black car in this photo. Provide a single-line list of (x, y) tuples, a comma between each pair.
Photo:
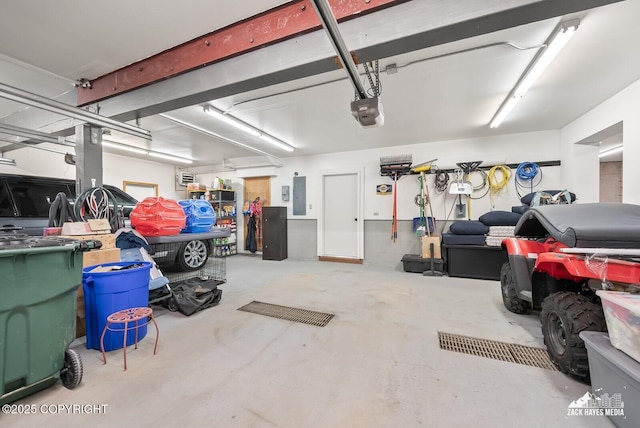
[(24, 207), (25, 201)]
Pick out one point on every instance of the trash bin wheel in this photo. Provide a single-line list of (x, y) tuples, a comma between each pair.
[(71, 373)]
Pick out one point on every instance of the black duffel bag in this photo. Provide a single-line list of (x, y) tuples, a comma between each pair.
[(193, 295)]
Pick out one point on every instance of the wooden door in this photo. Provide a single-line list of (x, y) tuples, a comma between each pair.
[(258, 187)]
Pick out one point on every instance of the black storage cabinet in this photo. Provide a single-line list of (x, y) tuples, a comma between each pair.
[(274, 233)]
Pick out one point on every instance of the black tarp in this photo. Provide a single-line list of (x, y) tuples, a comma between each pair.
[(194, 294)]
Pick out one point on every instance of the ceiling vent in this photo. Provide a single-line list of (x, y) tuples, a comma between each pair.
[(185, 178)]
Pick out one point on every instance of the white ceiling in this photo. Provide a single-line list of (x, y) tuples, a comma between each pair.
[(45, 49)]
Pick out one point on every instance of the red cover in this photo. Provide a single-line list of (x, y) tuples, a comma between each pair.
[(157, 216)]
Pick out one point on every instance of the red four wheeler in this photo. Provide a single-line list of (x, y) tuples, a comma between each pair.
[(562, 255)]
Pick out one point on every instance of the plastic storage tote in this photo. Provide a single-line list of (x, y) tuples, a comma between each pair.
[(622, 313), (40, 278), (109, 292), (200, 215), (615, 380), (157, 216), (417, 264)]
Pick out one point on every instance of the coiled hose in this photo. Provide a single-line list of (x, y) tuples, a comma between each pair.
[(526, 174), (477, 188), (441, 182), (99, 203), (496, 186), (60, 211)]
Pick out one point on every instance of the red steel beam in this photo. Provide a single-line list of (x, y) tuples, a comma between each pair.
[(276, 25)]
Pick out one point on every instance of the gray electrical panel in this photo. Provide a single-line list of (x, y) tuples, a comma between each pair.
[(299, 195)]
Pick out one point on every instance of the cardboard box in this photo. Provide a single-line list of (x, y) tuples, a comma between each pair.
[(196, 187), (108, 239), (426, 246), (94, 226), (96, 257)]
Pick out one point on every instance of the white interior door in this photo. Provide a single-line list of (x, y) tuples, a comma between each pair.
[(340, 216)]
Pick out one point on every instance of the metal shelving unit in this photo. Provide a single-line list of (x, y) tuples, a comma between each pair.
[(225, 206)]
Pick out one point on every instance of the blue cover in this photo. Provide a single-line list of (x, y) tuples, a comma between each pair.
[(129, 238), (200, 215), (135, 255), (500, 218), (453, 239), (468, 227), (521, 209)]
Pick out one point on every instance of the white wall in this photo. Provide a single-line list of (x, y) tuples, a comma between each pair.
[(580, 163), (529, 147), (116, 169)]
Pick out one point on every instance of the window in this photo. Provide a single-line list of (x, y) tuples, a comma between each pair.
[(6, 207), (33, 198)]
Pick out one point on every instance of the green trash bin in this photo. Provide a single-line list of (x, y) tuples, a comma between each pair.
[(40, 277)]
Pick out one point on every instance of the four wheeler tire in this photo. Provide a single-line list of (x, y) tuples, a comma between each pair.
[(564, 315), (192, 255), (509, 297), (71, 373)]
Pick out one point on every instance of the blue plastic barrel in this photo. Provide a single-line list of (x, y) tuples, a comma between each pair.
[(200, 215), (109, 292)]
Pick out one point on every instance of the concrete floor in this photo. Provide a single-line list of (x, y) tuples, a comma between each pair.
[(376, 364)]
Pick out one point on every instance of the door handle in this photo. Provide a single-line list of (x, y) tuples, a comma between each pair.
[(355, 219)]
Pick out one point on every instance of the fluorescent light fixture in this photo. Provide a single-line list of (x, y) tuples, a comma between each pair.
[(611, 151), (210, 134), (504, 111), (7, 161), (212, 111), (272, 140), (170, 157), (34, 100), (132, 149), (249, 129), (124, 147), (556, 41), (32, 146), (31, 134)]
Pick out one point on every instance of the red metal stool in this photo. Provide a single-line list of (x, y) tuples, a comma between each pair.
[(125, 317)]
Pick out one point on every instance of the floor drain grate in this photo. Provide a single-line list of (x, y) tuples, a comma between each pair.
[(288, 313), (511, 352)]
